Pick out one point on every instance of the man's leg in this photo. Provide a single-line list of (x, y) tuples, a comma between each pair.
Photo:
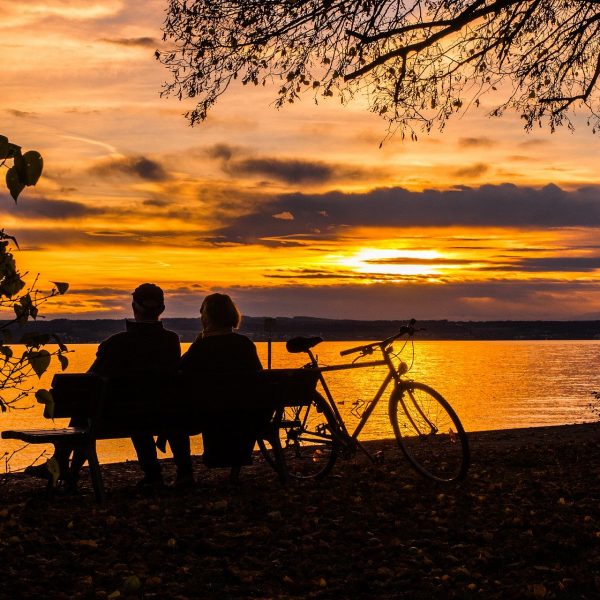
[(146, 453), (180, 446)]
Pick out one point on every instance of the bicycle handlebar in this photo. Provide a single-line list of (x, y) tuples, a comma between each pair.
[(368, 348)]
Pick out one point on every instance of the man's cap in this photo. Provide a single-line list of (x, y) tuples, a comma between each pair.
[(148, 295)]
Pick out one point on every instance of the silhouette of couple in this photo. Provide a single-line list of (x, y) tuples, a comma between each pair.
[(146, 348)]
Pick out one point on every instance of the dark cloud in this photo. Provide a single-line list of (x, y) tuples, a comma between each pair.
[(497, 300), (235, 161), (145, 42), (221, 151), (506, 299), (156, 203), (326, 216), (472, 171), (134, 166), (20, 114), (475, 142), (49, 209), (290, 171), (574, 264)]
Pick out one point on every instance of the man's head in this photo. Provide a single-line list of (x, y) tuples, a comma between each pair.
[(148, 302)]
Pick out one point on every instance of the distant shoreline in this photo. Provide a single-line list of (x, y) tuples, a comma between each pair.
[(81, 331)]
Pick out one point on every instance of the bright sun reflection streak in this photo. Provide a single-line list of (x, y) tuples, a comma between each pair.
[(382, 262)]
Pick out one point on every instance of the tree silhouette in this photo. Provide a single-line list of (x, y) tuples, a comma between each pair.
[(418, 62), (21, 299)]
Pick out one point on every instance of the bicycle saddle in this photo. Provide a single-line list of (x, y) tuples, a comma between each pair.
[(302, 344)]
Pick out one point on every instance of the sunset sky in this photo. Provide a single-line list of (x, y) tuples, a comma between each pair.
[(294, 211)]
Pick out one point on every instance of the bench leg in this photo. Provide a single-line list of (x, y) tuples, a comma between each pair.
[(95, 472), (280, 464)]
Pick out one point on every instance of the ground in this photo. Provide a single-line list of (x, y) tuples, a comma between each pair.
[(524, 524)]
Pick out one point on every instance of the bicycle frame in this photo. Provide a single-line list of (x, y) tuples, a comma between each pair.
[(371, 405)]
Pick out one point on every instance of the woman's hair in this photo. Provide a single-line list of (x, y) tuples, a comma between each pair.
[(221, 311)]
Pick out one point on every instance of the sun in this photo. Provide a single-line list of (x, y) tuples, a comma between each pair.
[(380, 261)]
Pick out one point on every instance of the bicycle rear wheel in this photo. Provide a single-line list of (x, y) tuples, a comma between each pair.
[(429, 432), (308, 444)]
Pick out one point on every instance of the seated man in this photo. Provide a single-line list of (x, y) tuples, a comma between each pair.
[(145, 348)]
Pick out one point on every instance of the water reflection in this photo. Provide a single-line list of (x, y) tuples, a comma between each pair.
[(491, 385)]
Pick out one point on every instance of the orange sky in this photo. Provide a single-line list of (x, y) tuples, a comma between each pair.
[(293, 212)]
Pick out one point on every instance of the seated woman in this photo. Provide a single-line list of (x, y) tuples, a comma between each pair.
[(219, 348)]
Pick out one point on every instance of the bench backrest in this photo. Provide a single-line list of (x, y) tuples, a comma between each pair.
[(157, 404)]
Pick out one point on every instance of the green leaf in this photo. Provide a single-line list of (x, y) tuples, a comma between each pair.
[(64, 361), (4, 147), (39, 361), (13, 183), (61, 287), (34, 164)]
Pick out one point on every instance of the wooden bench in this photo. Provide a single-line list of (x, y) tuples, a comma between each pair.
[(231, 413)]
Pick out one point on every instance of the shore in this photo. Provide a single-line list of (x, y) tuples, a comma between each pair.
[(524, 524)]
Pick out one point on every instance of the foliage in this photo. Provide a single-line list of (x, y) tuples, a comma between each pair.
[(26, 170), (418, 62), (23, 301)]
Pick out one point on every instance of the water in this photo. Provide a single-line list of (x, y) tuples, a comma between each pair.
[(490, 384)]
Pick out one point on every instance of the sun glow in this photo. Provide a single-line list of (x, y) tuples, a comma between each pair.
[(394, 262)]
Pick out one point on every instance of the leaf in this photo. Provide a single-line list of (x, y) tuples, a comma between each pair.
[(64, 361), (12, 285), (34, 165), (61, 287), (61, 346), (4, 147), (13, 183), (6, 351), (39, 361), (45, 397)]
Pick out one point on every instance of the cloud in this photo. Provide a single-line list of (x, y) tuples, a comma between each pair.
[(20, 114), (145, 42), (134, 166), (476, 142), (49, 209), (238, 161), (473, 171), (326, 216), (507, 299), (573, 264), (290, 171)]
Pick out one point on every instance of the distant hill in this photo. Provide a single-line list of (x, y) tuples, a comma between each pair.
[(81, 331)]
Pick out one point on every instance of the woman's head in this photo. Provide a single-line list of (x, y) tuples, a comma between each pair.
[(219, 311)]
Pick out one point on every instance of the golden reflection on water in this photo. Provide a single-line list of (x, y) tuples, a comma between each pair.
[(491, 385)]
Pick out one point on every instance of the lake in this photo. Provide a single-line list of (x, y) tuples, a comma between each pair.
[(490, 384)]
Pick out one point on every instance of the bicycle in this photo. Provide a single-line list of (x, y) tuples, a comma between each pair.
[(312, 434)]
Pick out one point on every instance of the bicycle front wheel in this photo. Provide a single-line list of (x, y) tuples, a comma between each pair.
[(429, 432), (306, 436)]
